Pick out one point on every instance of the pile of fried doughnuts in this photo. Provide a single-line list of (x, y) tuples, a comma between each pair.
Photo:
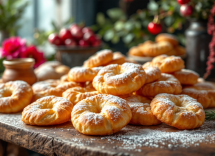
[(164, 44), (107, 93)]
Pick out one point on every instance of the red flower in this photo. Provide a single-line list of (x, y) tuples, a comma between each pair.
[(13, 47), (34, 53)]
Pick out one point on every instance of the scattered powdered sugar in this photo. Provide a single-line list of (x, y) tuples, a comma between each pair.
[(103, 51), (187, 72), (79, 70), (115, 112), (93, 117), (151, 70)]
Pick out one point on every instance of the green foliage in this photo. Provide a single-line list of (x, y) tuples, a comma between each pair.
[(209, 115), (133, 30), (10, 12)]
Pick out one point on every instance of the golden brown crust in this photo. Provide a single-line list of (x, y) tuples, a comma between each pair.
[(155, 49), (180, 111), (62, 70), (48, 110), (101, 115), (203, 92), (180, 50), (14, 96), (152, 74), (166, 64), (77, 94), (99, 59), (166, 84), (64, 78), (54, 90), (135, 51), (83, 74), (168, 38), (186, 77), (44, 85), (141, 111), (119, 79), (118, 58)]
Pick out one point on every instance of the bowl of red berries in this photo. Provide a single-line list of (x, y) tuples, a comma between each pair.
[(74, 45)]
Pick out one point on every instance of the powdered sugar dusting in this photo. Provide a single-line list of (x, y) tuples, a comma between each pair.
[(93, 117), (114, 111)]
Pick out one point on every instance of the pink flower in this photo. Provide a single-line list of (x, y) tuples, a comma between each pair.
[(34, 53), (13, 47)]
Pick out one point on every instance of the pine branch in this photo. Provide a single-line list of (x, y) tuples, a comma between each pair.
[(209, 115)]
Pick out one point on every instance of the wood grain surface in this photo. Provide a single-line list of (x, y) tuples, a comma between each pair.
[(64, 140)]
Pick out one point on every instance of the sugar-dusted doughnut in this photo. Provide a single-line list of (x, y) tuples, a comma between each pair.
[(168, 38), (180, 111), (44, 85), (99, 59), (166, 64), (83, 74), (186, 77), (118, 58), (154, 49), (77, 94), (14, 96), (141, 111), (101, 115), (135, 51), (48, 110), (53, 90), (119, 79), (165, 84), (152, 74), (204, 92)]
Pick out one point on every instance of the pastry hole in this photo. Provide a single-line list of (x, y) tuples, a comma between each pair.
[(7, 93)]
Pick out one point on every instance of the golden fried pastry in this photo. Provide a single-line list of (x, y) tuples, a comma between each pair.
[(83, 74), (54, 90), (77, 94), (165, 84), (14, 96), (141, 111), (99, 59), (64, 78), (119, 79), (186, 77), (180, 111), (48, 110), (44, 85), (166, 64), (101, 115), (155, 49), (172, 52), (118, 58), (62, 70), (135, 51), (204, 92), (180, 50), (152, 74), (168, 38)]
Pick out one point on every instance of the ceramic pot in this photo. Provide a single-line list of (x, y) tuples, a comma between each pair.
[(19, 69)]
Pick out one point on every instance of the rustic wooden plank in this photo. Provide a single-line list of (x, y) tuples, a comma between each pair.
[(65, 140)]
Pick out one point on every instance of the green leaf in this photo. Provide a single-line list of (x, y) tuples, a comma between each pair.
[(100, 19), (115, 13), (115, 39), (137, 24), (109, 35), (169, 20), (128, 38), (152, 5), (129, 25), (119, 25)]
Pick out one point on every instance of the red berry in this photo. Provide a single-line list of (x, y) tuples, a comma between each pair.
[(65, 34), (154, 28), (96, 43), (77, 33), (186, 10), (87, 30), (70, 43), (83, 43), (183, 1), (89, 37), (55, 39), (74, 26)]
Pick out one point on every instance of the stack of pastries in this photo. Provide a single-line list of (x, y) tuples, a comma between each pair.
[(164, 44), (102, 97)]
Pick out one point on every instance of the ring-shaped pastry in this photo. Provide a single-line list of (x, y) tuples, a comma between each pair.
[(99, 59), (166, 64), (101, 115), (180, 111), (14, 96), (166, 84), (168, 38), (203, 92), (77, 94), (48, 110), (118, 58), (83, 74), (152, 74), (119, 79), (186, 77), (141, 111)]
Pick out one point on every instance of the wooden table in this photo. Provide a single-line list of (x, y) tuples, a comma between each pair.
[(131, 140)]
